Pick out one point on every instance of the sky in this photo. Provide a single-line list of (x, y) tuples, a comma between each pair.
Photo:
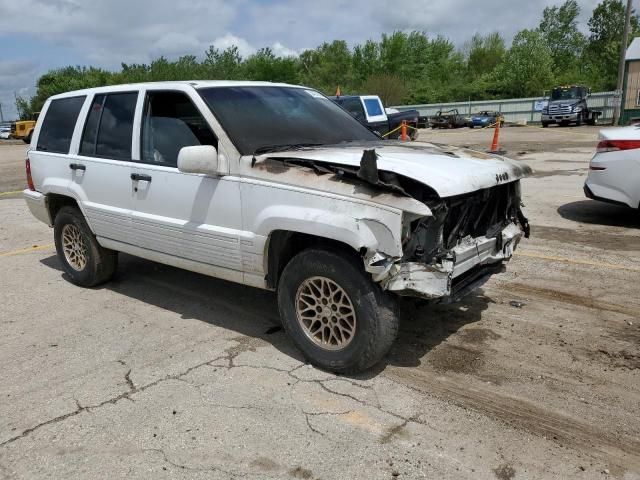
[(39, 35)]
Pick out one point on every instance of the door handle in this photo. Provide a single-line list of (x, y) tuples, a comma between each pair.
[(140, 176), (77, 166)]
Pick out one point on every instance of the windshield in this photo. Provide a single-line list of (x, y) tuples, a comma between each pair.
[(565, 93), (261, 117)]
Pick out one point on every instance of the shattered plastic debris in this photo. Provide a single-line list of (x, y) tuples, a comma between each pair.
[(517, 304)]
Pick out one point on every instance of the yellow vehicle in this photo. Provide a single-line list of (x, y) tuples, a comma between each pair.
[(23, 129)]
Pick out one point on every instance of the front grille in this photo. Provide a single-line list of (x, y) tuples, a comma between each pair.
[(481, 213), (559, 109)]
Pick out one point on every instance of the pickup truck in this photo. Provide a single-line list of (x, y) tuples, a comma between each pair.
[(272, 186), (369, 110)]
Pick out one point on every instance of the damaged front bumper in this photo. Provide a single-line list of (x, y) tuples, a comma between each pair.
[(467, 267)]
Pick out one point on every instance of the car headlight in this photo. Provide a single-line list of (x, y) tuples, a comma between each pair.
[(577, 109), (545, 111)]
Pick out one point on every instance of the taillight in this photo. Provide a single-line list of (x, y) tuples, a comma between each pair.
[(30, 184), (616, 145)]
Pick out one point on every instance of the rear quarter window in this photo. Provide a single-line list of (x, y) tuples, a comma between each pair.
[(58, 125), (374, 108)]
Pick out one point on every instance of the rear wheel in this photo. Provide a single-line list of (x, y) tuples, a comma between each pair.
[(339, 319), (85, 262), (27, 139)]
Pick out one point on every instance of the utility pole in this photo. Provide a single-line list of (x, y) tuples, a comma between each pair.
[(1, 115), (623, 52)]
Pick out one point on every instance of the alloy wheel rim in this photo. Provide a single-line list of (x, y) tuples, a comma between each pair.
[(325, 313), (74, 248)]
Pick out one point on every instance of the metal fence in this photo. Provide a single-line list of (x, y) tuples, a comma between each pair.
[(515, 110)]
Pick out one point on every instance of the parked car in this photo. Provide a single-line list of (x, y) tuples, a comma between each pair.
[(485, 119), (5, 131), (369, 110), (448, 119), (614, 170), (276, 187)]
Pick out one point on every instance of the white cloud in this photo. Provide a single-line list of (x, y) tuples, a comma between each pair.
[(229, 40), (279, 50)]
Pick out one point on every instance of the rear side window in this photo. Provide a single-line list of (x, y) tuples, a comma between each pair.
[(58, 125), (373, 107), (109, 127)]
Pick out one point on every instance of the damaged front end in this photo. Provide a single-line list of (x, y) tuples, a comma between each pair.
[(457, 249)]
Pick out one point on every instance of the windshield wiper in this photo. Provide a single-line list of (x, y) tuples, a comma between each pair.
[(283, 147)]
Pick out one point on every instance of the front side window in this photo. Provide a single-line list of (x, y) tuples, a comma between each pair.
[(108, 130), (171, 121), (261, 117), (58, 125)]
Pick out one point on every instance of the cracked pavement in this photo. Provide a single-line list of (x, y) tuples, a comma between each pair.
[(169, 374)]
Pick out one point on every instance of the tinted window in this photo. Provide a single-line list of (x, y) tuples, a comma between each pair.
[(116, 126), (171, 121), (258, 117), (88, 143), (373, 107), (354, 107), (59, 122), (112, 116)]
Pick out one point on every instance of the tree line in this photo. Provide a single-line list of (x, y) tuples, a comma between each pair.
[(401, 67)]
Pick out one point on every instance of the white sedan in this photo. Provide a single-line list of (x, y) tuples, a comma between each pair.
[(614, 171)]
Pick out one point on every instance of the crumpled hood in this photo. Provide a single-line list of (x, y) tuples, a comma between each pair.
[(448, 170)]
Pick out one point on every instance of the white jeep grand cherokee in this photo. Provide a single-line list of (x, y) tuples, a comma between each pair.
[(276, 187)]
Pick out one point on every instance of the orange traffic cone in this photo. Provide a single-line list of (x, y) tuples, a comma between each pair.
[(338, 92), (496, 138), (403, 131)]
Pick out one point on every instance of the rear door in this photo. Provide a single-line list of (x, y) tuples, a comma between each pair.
[(191, 216), (100, 170)]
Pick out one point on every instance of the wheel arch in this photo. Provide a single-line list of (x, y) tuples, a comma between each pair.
[(56, 201), (283, 245)]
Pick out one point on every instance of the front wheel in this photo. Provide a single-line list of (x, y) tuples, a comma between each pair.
[(83, 259), (339, 319)]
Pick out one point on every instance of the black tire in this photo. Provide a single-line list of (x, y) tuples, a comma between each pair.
[(376, 314), (545, 124), (100, 263), (27, 139)]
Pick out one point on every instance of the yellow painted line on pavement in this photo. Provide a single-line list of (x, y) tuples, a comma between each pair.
[(551, 258), (35, 248), (2, 194)]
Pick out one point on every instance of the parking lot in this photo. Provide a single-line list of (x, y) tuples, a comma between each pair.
[(164, 373)]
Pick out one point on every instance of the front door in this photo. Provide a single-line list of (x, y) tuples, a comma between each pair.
[(190, 216)]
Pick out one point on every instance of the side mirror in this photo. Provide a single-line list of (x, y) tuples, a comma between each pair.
[(198, 159)]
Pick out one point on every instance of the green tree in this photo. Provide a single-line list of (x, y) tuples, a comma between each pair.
[(528, 66), (559, 27), (328, 66), (23, 106), (223, 64), (484, 54), (264, 65), (603, 48), (390, 88)]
